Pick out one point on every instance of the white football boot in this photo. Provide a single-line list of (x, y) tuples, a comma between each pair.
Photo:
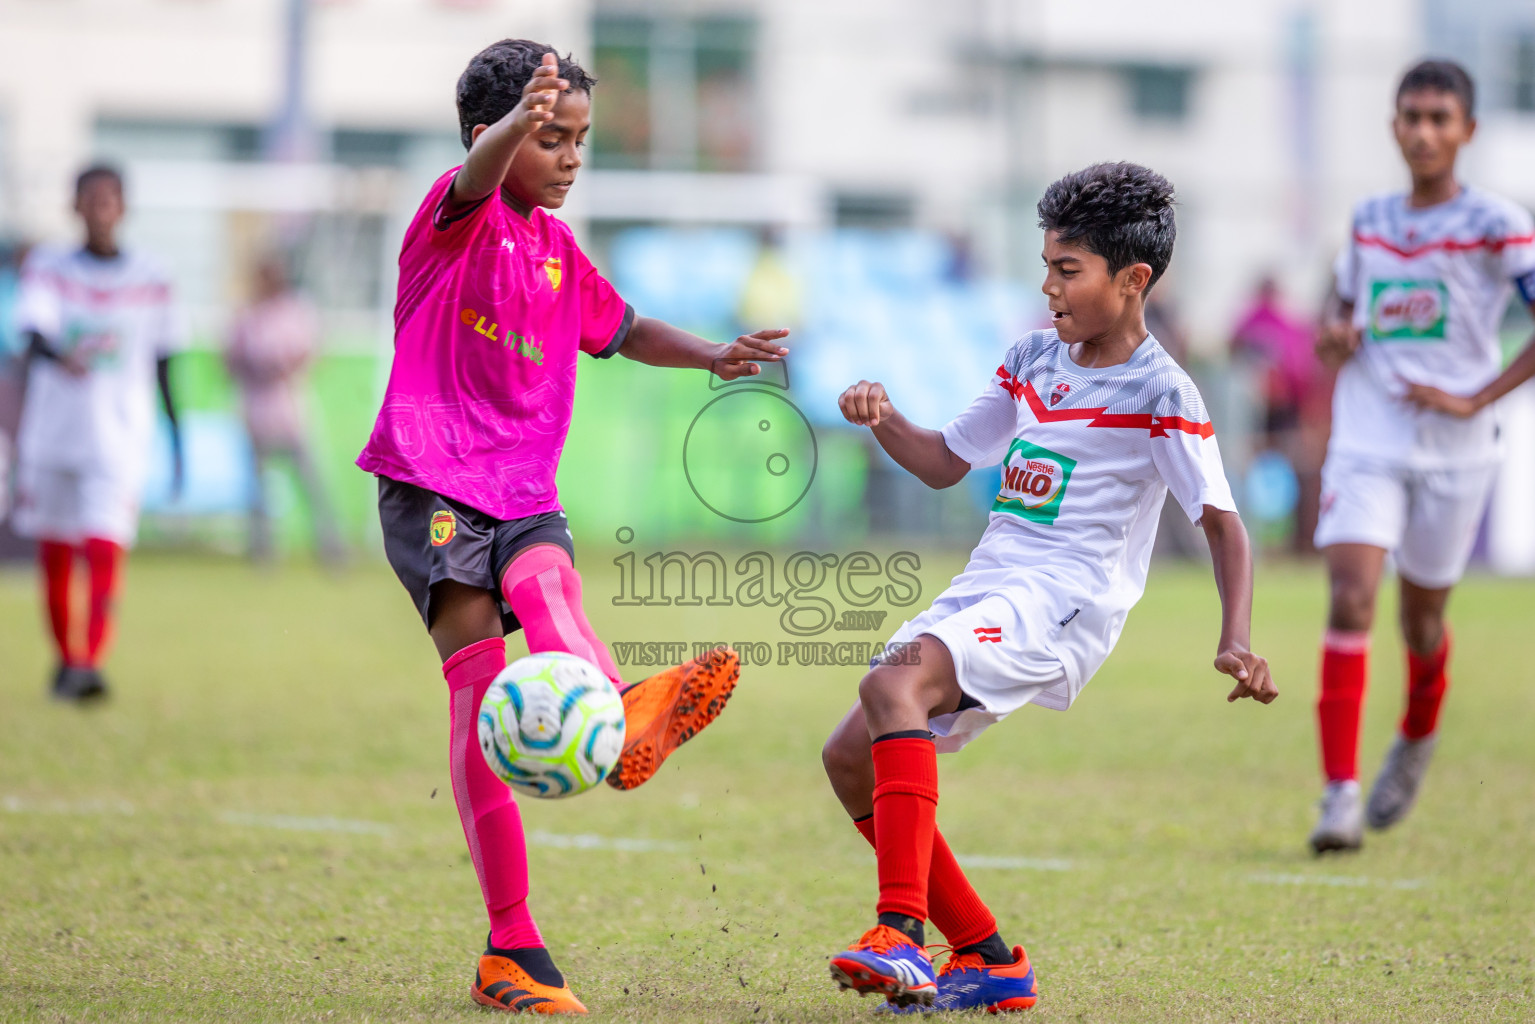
[(1340, 826), (1396, 787)]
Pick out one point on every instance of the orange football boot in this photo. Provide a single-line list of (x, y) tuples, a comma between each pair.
[(501, 984), (668, 709)]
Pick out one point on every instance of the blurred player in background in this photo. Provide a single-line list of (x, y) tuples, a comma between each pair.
[(495, 302), (13, 370), (1412, 324), (270, 348), (100, 329), (1094, 424)]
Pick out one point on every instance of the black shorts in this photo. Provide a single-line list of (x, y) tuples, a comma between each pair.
[(429, 538)]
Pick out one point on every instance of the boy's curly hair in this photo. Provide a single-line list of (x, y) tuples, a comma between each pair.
[(1123, 212), (492, 84)]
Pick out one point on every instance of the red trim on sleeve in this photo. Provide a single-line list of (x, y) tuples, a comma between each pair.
[(1009, 383)]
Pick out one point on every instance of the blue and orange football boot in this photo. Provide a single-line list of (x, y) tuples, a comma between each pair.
[(501, 984), (668, 709), (885, 961), (967, 982)]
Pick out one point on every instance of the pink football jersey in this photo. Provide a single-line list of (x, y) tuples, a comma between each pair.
[(490, 314)]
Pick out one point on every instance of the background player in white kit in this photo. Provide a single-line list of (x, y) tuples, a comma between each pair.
[(101, 328), (1421, 288), (1093, 424)]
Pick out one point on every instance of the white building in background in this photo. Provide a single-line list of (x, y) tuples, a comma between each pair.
[(1270, 116)]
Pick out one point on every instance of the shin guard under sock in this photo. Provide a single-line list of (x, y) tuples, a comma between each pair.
[(905, 819), (104, 558), (1427, 680), (1345, 669), (57, 561), (492, 823)]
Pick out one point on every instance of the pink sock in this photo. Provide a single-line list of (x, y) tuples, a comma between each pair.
[(492, 823), (544, 590)]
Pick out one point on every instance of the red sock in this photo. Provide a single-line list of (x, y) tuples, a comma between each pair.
[(905, 821), (1427, 679), (57, 560), (1345, 669), (103, 557), (956, 909)]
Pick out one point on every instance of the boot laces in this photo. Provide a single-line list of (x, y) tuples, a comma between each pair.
[(959, 961), (881, 939)]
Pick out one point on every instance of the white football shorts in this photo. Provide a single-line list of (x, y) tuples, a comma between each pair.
[(1002, 658), (1426, 518), (71, 505)]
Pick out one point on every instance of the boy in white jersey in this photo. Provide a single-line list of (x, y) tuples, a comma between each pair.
[(1412, 326), (1093, 423), (100, 328)]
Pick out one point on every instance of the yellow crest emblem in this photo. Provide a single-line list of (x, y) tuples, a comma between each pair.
[(444, 526), (552, 269)]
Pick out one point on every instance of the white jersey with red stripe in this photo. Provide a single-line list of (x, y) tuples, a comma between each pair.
[(116, 318), (1429, 288), (1088, 457)]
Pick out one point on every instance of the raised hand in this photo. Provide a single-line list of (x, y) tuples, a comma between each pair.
[(865, 404), (539, 96), (738, 358), (1251, 673)]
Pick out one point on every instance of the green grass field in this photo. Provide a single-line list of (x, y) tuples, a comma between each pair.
[(259, 825)]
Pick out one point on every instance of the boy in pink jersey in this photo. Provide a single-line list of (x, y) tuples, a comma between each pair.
[(495, 301)]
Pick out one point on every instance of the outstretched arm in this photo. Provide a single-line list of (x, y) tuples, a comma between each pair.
[(490, 157), (658, 343), (163, 377), (1519, 371), (1232, 556), (920, 451)]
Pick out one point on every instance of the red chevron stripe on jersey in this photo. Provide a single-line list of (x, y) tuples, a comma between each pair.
[(1447, 244), (76, 291), (1157, 425)]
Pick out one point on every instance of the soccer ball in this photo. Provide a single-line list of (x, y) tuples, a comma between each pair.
[(551, 725)]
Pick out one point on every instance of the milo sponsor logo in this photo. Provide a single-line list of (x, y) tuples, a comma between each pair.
[(1408, 310), (1034, 481)]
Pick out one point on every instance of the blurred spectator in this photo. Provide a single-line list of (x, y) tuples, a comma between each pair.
[(772, 293), (12, 379), (1176, 536), (1296, 396), (1164, 324), (1281, 346), (269, 351)]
